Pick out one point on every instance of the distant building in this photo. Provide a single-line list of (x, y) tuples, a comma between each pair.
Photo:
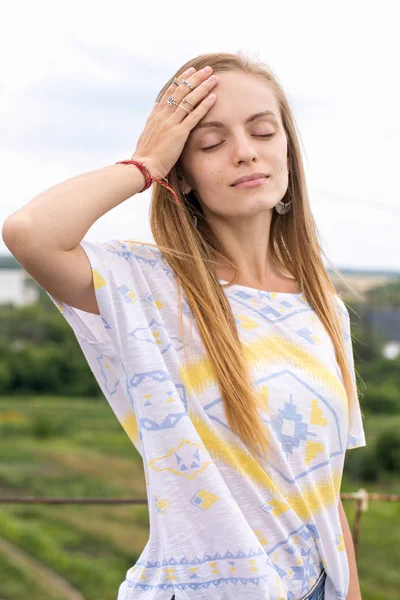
[(17, 288)]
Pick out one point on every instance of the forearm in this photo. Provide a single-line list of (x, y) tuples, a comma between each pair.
[(354, 592), (61, 216)]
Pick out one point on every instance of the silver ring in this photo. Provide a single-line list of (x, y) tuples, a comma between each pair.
[(188, 101), (175, 82), (186, 82), (171, 100)]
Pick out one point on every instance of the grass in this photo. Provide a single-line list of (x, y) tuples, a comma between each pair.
[(379, 542), (87, 453), (16, 583), (92, 547)]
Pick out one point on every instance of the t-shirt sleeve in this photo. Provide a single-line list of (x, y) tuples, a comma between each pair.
[(98, 334), (108, 275), (356, 433)]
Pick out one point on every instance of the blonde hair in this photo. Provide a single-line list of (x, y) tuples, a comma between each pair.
[(192, 253)]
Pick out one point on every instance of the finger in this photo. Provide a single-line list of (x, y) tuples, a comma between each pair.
[(172, 87), (191, 100), (201, 109), (195, 81)]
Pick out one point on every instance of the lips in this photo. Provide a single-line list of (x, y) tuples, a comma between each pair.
[(249, 178)]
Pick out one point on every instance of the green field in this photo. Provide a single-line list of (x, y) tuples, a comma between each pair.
[(90, 547)]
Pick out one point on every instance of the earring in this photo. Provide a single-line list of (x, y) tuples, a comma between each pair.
[(283, 207)]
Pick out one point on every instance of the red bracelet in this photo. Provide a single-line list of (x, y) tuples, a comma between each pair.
[(149, 178)]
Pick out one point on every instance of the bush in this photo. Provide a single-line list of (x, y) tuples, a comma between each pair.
[(5, 376), (363, 465), (388, 450), (376, 459), (382, 370), (383, 398)]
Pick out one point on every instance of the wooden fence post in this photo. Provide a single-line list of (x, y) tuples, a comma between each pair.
[(361, 498)]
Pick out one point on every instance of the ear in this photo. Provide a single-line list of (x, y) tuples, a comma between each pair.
[(183, 184)]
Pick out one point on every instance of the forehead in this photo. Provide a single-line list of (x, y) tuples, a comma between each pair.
[(238, 95)]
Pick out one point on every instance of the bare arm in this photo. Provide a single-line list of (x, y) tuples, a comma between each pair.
[(354, 592), (45, 234), (62, 215)]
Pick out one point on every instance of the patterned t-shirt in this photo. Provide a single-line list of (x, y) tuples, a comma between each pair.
[(223, 525)]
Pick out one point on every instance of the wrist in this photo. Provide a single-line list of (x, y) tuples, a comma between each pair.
[(149, 164)]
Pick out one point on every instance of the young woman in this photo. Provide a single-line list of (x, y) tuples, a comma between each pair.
[(223, 348)]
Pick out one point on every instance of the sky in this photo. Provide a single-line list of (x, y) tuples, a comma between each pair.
[(79, 79)]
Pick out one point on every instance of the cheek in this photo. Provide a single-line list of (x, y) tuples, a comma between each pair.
[(279, 156), (207, 173)]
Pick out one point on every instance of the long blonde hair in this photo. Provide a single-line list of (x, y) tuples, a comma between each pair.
[(192, 253)]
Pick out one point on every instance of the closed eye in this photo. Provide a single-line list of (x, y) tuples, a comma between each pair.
[(266, 135)]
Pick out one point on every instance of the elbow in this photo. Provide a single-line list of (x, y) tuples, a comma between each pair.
[(15, 232)]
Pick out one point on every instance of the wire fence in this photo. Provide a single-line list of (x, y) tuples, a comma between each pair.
[(362, 498)]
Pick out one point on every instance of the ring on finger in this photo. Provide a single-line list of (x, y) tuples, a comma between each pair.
[(188, 111), (171, 101), (175, 82), (186, 82), (188, 101)]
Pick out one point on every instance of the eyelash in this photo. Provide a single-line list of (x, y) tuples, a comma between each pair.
[(266, 135)]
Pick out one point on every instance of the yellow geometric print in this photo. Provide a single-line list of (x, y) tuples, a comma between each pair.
[(253, 564), (156, 464), (316, 415), (339, 541), (162, 504), (98, 280), (309, 501), (246, 322), (129, 423), (171, 574), (260, 537), (156, 334), (214, 569), (131, 294), (208, 499), (274, 349), (262, 398), (312, 449)]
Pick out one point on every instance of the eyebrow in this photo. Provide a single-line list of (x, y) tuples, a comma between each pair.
[(264, 113)]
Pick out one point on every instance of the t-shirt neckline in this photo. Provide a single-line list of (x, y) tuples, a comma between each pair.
[(251, 289)]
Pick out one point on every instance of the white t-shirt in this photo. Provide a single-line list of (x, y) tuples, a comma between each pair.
[(223, 525)]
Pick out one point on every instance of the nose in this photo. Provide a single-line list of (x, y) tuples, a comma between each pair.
[(244, 149)]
